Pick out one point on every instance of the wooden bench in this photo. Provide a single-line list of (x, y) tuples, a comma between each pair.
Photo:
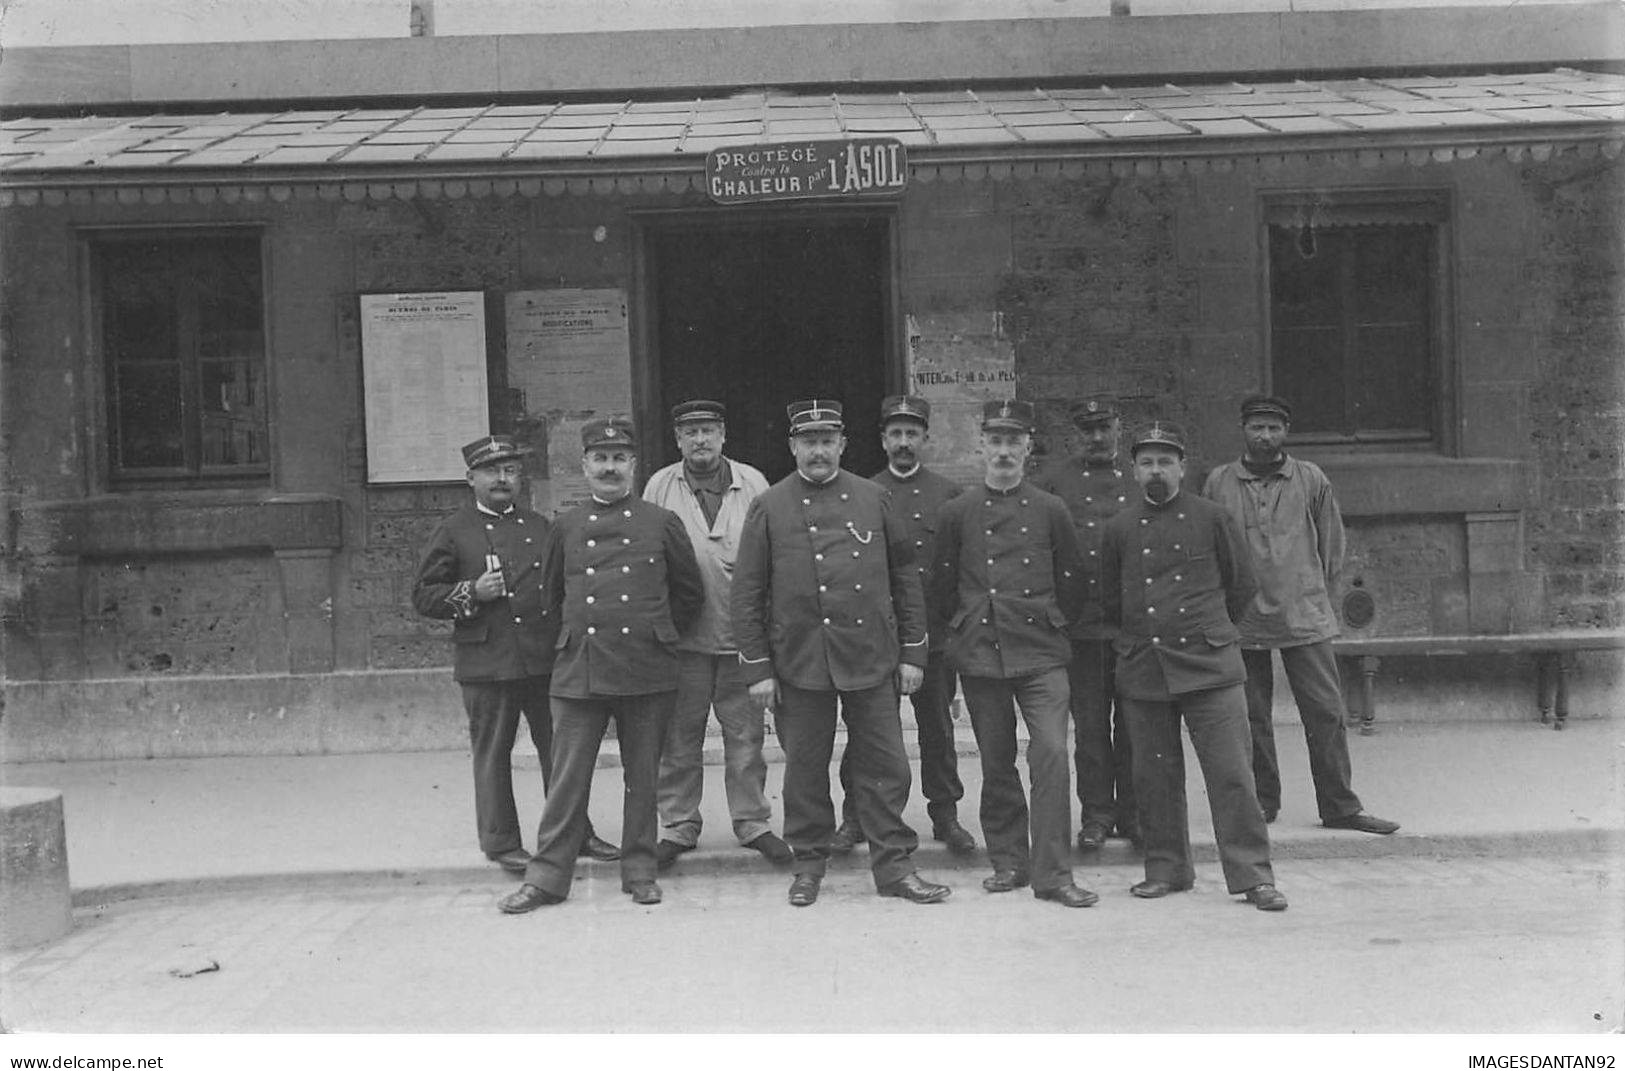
[(1553, 652)]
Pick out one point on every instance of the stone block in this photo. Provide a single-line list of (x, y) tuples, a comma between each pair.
[(1449, 605), (1494, 542), (1493, 352), (1502, 602), (35, 902), (1228, 299), (1207, 235), (1497, 418), (972, 243)]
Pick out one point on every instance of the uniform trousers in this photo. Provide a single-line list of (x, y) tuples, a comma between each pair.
[(1311, 672), (707, 681), (1101, 748), (939, 754), (578, 730), (1217, 721), (880, 776), (1005, 816), (494, 709)]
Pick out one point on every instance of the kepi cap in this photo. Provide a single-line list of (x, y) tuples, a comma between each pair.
[(895, 406), (814, 414), (1007, 414), (1160, 433), (616, 431), (1265, 405), (491, 449), (699, 409), (1095, 409)]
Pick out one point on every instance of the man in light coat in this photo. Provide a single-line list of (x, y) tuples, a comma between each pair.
[(1294, 530), (710, 493)]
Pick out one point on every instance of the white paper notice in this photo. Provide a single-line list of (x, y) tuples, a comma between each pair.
[(423, 378), (570, 353)]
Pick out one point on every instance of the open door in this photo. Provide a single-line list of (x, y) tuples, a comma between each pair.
[(760, 312)]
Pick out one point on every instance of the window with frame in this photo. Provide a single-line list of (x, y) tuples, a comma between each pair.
[(182, 332), (1355, 317)]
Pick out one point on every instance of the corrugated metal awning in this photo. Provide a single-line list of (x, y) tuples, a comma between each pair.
[(627, 145)]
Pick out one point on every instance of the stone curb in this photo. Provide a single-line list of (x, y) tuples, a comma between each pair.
[(932, 858)]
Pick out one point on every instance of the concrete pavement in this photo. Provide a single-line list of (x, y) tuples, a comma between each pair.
[(1369, 946), (171, 826)]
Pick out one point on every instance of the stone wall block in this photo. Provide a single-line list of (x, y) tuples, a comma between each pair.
[(35, 901)]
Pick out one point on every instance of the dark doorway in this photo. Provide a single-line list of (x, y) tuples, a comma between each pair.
[(760, 313)]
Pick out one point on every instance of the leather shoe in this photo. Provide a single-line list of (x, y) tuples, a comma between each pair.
[(596, 847), (667, 851), (1156, 890), (528, 898), (1004, 880), (955, 836), (1068, 895), (1365, 823), (1266, 898), (804, 890), (643, 892), (916, 889), (772, 848), (847, 837), (514, 860), (1092, 837)]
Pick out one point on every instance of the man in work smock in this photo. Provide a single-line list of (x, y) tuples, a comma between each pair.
[(710, 492), (1295, 533)]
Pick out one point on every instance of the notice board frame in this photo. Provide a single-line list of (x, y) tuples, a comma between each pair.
[(436, 424)]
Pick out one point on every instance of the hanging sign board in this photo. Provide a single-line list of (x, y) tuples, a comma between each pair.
[(861, 167), (423, 383)]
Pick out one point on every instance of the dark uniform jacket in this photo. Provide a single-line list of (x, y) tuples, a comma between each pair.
[(510, 637), (917, 499), (623, 582), (1093, 494), (1177, 577), (826, 592), (1007, 572)]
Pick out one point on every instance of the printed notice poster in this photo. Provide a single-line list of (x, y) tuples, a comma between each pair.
[(423, 378), (957, 362), (570, 355)]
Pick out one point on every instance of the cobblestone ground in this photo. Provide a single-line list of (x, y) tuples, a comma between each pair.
[(1390, 945)]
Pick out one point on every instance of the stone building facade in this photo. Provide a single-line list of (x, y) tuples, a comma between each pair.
[(270, 612)]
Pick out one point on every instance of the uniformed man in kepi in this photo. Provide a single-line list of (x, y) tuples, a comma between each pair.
[(828, 609), (1095, 483), (711, 493), (1177, 578), (481, 572), (619, 575), (917, 496), (1295, 532), (1007, 576)]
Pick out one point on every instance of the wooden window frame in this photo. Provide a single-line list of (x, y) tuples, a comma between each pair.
[(1376, 207), (195, 472)]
